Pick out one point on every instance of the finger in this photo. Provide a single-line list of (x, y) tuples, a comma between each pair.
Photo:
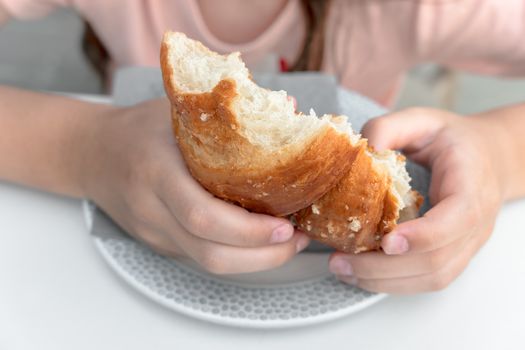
[(434, 281), (455, 212), (224, 259), (147, 222), (377, 265), (450, 220), (219, 258), (216, 220), (167, 236), (408, 129), (160, 243)]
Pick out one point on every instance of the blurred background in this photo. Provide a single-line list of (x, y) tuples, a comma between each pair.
[(46, 54)]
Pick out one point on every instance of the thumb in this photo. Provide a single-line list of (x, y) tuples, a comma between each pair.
[(409, 129)]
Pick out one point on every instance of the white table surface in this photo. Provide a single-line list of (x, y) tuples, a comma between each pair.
[(56, 293)]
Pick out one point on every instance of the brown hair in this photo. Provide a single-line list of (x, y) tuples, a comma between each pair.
[(95, 52), (310, 59)]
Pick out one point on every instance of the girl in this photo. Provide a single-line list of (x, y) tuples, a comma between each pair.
[(125, 158)]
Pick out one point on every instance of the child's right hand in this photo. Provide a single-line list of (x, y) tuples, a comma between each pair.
[(129, 164)]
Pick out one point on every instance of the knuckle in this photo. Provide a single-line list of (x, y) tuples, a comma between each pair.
[(166, 184), (472, 216), (213, 261), (199, 220), (142, 215), (146, 169), (429, 239), (429, 235), (156, 171), (436, 260), (138, 173), (452, 153), (440, 280)]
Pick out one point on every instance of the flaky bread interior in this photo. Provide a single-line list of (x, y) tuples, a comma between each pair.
[(245, 143), (395, 166), (266, 118)]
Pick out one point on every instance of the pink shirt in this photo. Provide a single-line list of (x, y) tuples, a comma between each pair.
[(369, 45)]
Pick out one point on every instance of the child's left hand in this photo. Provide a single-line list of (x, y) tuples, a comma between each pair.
[(466, 157)]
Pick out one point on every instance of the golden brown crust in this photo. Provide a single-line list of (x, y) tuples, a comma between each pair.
[(280, 189), (349, 217), (354, 216)]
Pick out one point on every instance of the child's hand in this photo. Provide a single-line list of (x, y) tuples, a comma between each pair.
[(466, 192), (134, 171)]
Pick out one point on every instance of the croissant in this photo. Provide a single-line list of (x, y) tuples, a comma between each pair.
[(247, 145)]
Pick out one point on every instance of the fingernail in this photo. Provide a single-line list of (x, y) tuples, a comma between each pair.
[(302, 243), (394, 244), (282, 233), (340, 266)]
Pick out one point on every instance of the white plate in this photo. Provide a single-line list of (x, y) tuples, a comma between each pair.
[(299, 293)]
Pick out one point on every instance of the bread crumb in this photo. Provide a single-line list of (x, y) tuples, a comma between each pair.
[(351, 236), (264, 194), (354, 223), (323, 235), (249, 181), (315, 209), (294, 185), (269, 178), (180, 99), (377, 237), (233, 126), (359, 250), (308, 228), (346, 207), (331, 227), (204, 117)]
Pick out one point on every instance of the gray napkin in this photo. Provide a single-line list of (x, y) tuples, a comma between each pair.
[(312, 90)]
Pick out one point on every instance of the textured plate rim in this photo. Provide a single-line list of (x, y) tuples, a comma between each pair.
[(217, 319)]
